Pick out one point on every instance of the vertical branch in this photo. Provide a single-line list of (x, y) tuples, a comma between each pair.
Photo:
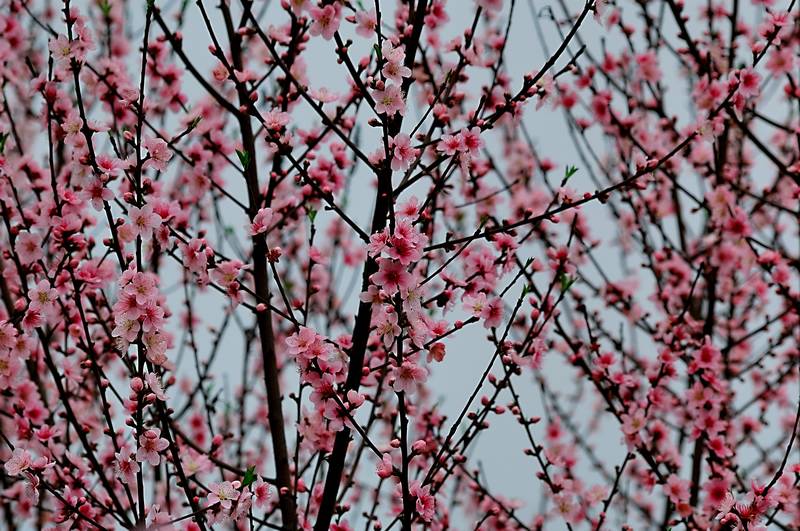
[(262, 293)]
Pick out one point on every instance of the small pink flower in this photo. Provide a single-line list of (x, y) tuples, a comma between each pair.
[(20, 461), (471, 140), (749, 82), (426, 503), (408, 376), (125, 465), (385, 467), (224, 493), (275, 120), (366, 23), (307, 343), (151, 444), (325, 21), (159, 153), (61, 48), (386, 325), (394, 69), (154, 384), (97, 193), (260, 490), (10, 367), (677, 489), (450, 144), (109, 165), (29, 247), (389, 101), (402, 152), (392, 276), (32, 319), (261, 221), (143, 220)]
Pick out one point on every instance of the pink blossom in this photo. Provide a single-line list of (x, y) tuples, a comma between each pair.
[(450, 144), (749, 82), (224, 493), (97, 193), (29, 247), (143, 220), (389, 101), (151, 444), (20, 461), (325, 21), (275, 119), (392, 276), (402, 152), (126, 466), (260, 490), (426, 502), (261, 221), (386, 325), (394, 69), (677, 489), (62, 49), (408, 376), (385, 468), (158, 152), (366, 23)]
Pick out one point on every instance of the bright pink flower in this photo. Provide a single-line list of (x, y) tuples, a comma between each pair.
[(677, 489), (450, 144), (392, 276), (224, 493), (275, 119), (426, 502), (402, 152), (385, 467), (749, 82), (159, 153), (471, 140), (394, 69), (126, 466), (97, 193), (306, 343), (408, 376), (389, 101), (325, 21), (386, 325), (62, 49), (155, 386), (151, 444), (143, 220), (260, 490), (20, 461), (261, 221)]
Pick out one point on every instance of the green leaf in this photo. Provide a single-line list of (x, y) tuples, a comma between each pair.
[(569, 171), (249, 476), (312, 215), (566, 281), (105, 7), (244, 157), (194, 123), (3, 138)]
